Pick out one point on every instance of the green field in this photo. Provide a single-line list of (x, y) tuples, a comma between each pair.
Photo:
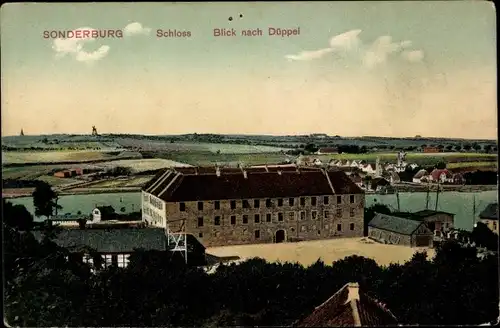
[(472, 164), (28, 157), (203, 158)]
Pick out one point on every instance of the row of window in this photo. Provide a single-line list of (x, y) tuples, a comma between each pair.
[(156, 203), (280, 216), (120, 260), (269, 202), (302, 229)]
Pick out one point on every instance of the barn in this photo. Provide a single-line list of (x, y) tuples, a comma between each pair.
[(399, 231)]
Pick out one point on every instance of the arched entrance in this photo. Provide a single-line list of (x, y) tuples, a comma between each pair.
[(280, 236)]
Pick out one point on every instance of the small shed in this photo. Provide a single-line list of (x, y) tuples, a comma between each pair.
[(400, 231), (438, 222)]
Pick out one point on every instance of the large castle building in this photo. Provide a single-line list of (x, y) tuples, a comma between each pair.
[(228, 206)]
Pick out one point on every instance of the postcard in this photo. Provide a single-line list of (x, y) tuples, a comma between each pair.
[(307, 164)]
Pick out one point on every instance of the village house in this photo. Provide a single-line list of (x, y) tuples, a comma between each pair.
[(397, 230), (489, 216), (421, 176), (429, 149), (357, 179), (392, 177), (368, 168), (439, 222), (379, 184), (458, 178), (349, 307), (224, 206), (115, 245), (441, 176)]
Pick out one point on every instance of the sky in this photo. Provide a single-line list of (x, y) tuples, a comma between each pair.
[(395, 69)]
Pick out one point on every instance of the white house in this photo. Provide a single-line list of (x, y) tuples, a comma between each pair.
[(368, 168), (441, 176), (153, 208), (422, 174), (413, 166), (354, 163)]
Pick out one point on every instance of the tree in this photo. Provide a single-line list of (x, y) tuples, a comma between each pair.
[(458, 147), (467, 147), (310, 147), (17, 216), (45, 199), (483, 236), (449, 147), (476, 147), (487, 148), (441, 165)]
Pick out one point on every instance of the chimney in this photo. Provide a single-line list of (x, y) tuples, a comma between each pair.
[(245, 174), (279, 172), (217, 171), (196, 170), (353, 288)]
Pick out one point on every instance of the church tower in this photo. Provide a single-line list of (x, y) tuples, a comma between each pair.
[(22, 133)]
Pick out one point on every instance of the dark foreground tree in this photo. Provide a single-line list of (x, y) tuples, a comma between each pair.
[(45, 199)]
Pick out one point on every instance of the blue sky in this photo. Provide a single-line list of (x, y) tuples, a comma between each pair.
[(357, 68)]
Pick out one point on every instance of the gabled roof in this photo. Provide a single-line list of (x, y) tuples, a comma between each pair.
[(404, 226), (421, 173), (349, 307), (490, 212), (436, 173), (176, 186), (112, 240)]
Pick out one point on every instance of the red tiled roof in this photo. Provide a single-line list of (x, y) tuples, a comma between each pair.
[(436, 173), (349, 307), (185, 185)]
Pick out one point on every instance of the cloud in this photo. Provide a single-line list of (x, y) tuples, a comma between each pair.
[(414, 56), (74, 47), (371, 55), (309, 55), (135, 29), (346, 41)]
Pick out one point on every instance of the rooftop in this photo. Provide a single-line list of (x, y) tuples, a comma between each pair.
[(349, 307), (401, 225), (209, 183), (426, 213), (490, 212)]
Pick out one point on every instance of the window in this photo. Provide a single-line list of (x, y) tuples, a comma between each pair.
[(257, 218), (233, 219), (494, 225), (291, 215), (245, 219), (233, 204), (339, 199), (268, 217), (200, 222), (269, 203), (339, 212), (291, 201), (257, 234), (217, 220), (319, 232), (314, 215), (256, 203), (351, 226), (339, 227), (122, 260), (280, 202), (313, 201), (326, 200), (303, 228), (200, 206), (302, 215), (217, 205), (351, 212), (326, 226), (107, 260), (351, 199), (302, 201), (280, 216), (246, 204), (327, 214), (200, 235), (182, 207)]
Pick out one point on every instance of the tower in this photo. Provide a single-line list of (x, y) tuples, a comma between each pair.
[(22, 133), (378, 169), (94, 131)]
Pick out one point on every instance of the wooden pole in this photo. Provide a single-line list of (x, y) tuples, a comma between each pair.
[(437, 198), (427, 198)]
